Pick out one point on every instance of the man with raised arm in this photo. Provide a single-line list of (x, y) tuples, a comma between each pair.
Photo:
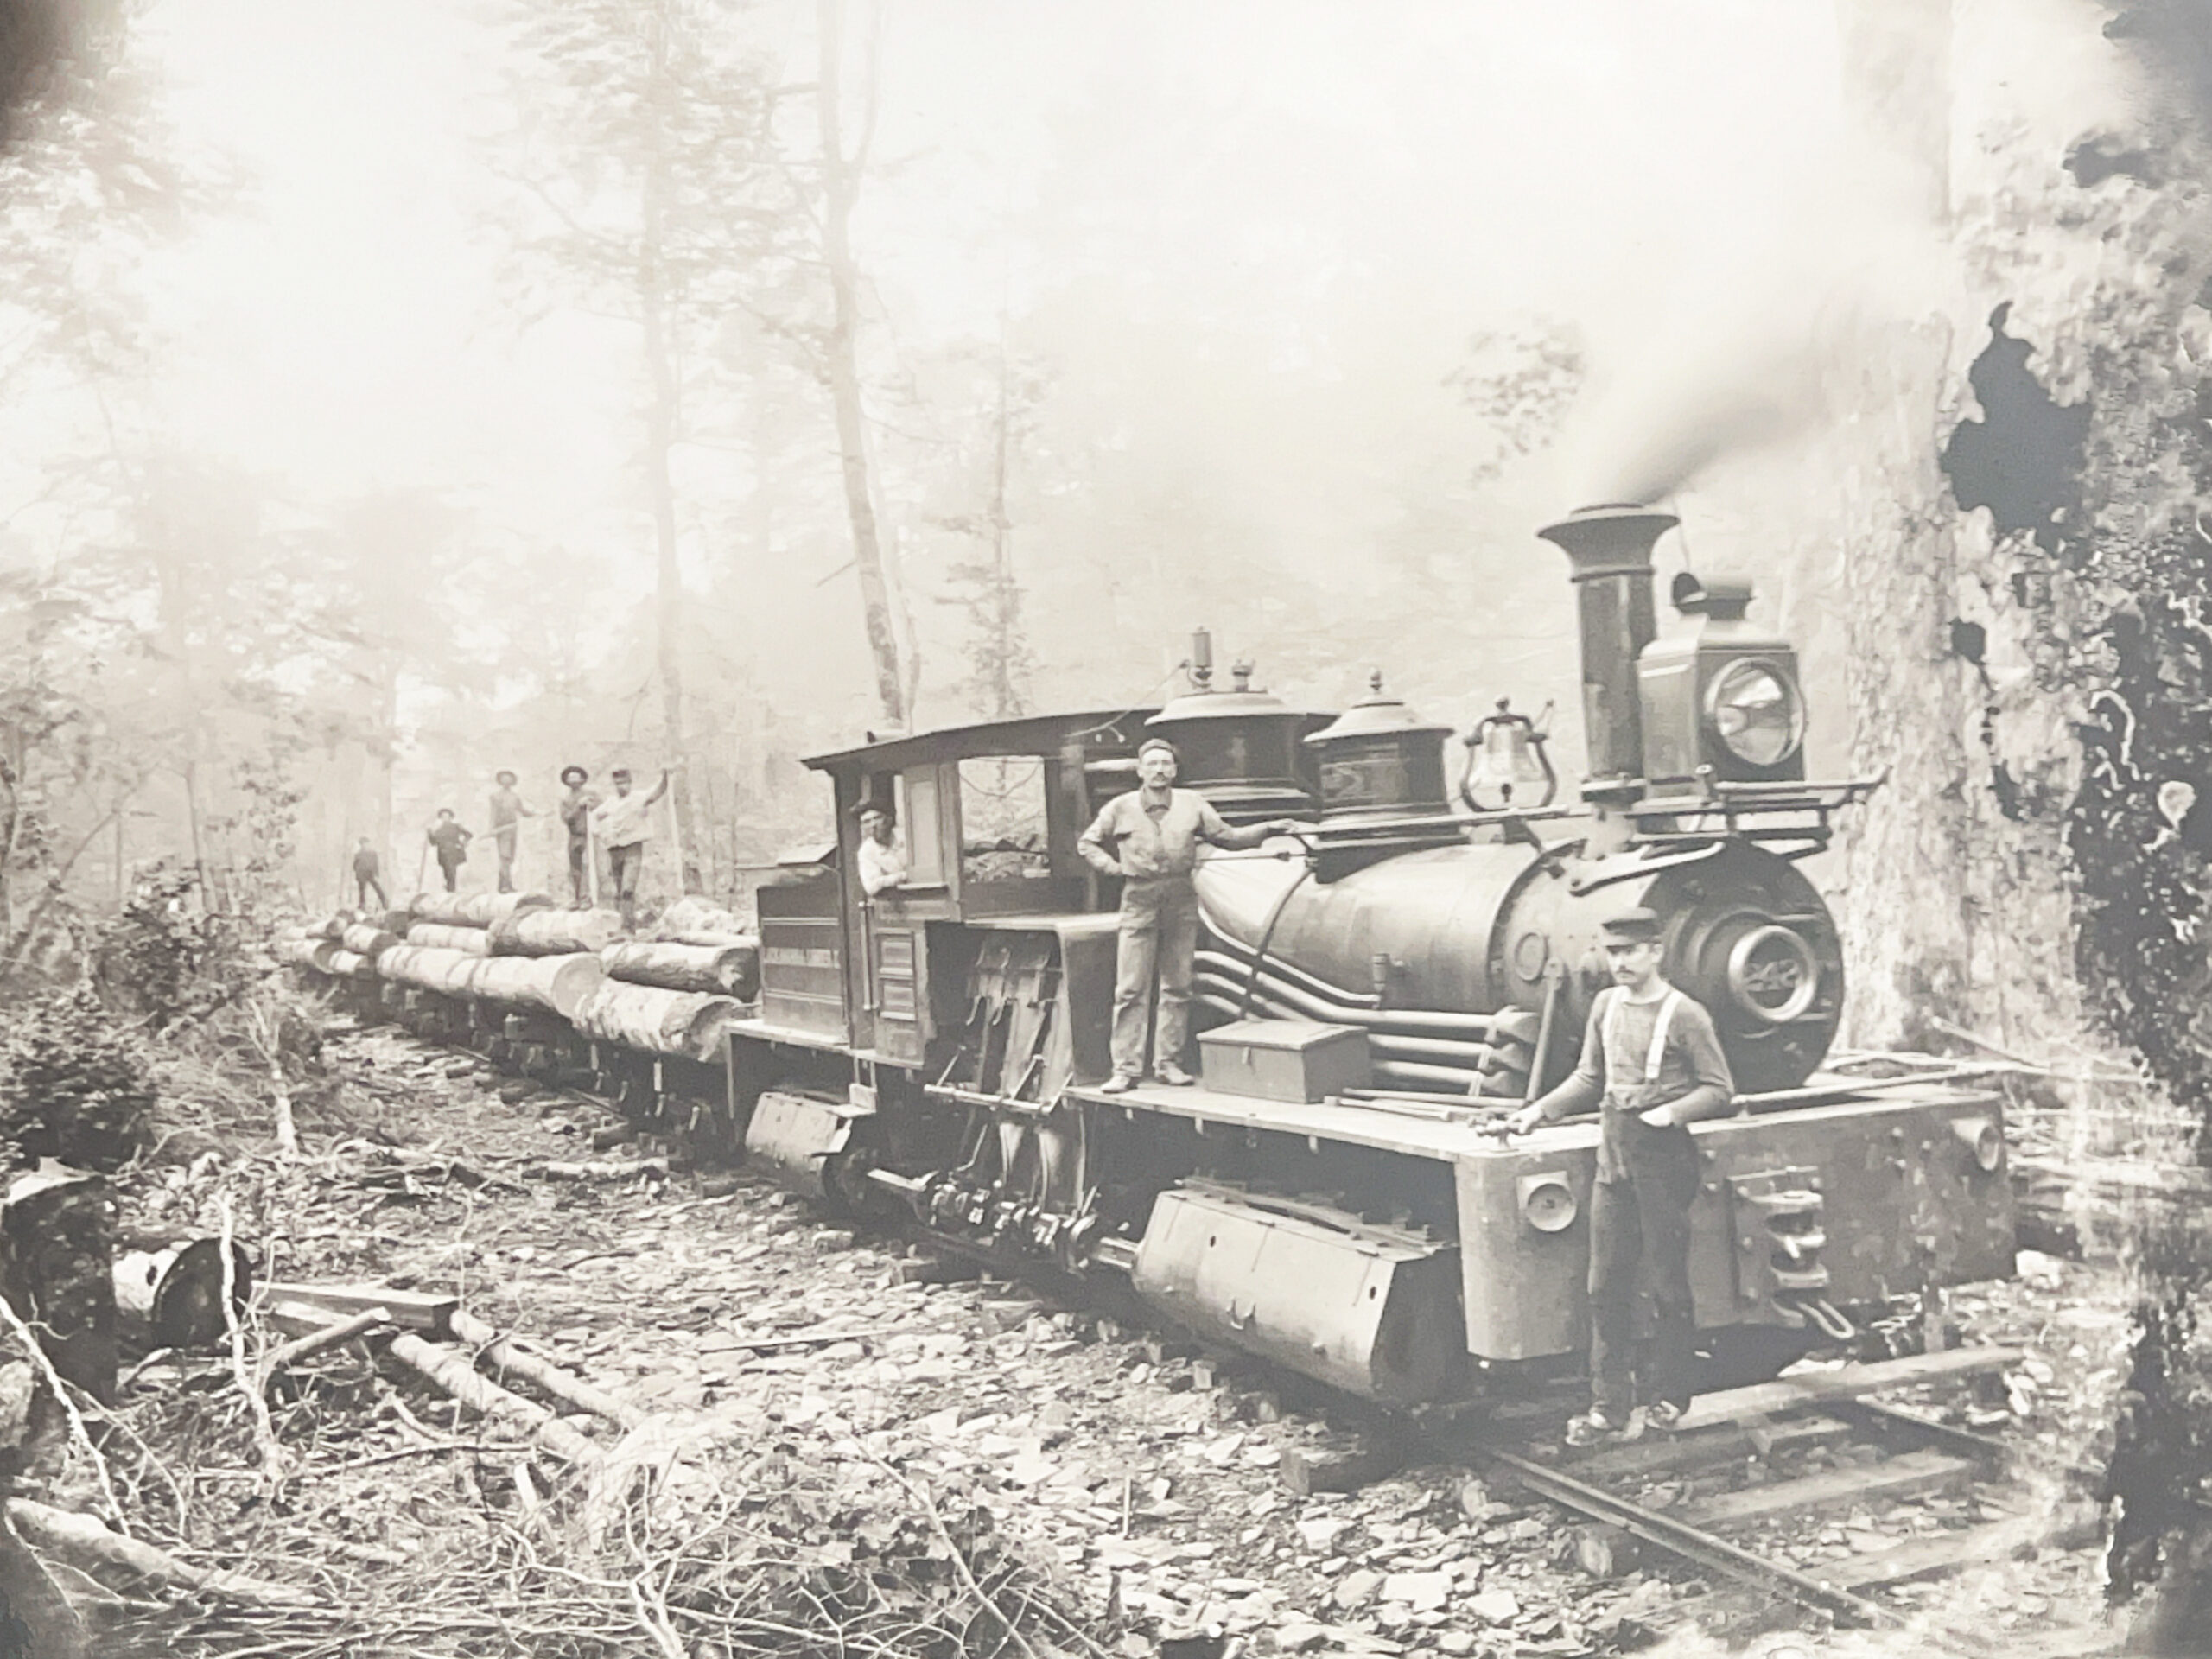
[(1149, 838), (1652, 1065), (622, 827)]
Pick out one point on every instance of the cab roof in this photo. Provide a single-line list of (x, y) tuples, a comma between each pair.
[(1106, 731)]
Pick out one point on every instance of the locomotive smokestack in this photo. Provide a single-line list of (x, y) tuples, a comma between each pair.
[(1610, 548)]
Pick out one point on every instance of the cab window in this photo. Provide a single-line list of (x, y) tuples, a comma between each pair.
[(1003, 829), (918, 824)]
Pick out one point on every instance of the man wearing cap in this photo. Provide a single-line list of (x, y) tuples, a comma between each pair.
[(1652, 1065), (882, 866), (575, 808), (507, 813), (620, 824), (1149, 838)]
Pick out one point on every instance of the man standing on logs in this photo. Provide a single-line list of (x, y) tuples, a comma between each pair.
[(450, 842), (507, 814), (620, 823), (575, 808), (367, 870), (1652, 1065), (1149, 838)]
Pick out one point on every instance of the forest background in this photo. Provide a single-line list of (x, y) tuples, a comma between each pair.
[(400, 392)]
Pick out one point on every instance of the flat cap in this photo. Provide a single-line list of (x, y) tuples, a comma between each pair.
[(1631, 925)]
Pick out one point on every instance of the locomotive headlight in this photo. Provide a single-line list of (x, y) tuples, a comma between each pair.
[(1757, 712)]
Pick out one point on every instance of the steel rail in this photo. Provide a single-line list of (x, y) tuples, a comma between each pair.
[(1680, 1538)]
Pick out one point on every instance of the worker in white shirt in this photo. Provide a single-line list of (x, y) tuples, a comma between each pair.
[(882, 862), (620, 822)]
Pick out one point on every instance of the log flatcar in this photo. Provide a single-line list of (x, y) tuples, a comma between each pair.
[(1376, 994)]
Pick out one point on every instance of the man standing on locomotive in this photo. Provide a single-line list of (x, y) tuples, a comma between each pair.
[(1652, 1065), (1149, 838)]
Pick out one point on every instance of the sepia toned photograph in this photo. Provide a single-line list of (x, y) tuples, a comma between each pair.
[(1105, 829)]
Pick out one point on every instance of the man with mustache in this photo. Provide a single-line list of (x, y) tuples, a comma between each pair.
[(1652, 1065)]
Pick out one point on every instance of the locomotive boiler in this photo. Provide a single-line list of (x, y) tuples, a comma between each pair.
[(1376, 994)]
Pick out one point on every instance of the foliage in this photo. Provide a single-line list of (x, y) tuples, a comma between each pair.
[(73, 1086), (164, 958)]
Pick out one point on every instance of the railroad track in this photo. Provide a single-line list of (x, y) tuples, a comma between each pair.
[(1752, 1487)]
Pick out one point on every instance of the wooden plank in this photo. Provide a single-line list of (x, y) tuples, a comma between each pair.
[(1933, 1556), (1666, 1453), (1846, 1383), (1914, 1472), (410, 1310)]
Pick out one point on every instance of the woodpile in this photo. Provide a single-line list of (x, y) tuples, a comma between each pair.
[(364, 939), (474, 909), (440, 936), (685, 1024), (558, 984), (719, 970), (693, 920), (553, 932)]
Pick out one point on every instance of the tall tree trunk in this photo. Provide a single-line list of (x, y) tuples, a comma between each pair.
[(663, 395), (1907, 949), (1006, 599), (840, 190)]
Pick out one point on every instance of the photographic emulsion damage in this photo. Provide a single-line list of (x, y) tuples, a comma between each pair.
[(978, 830)]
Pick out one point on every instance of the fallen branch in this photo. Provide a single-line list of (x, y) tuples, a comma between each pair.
[(502, 1352), (331, 1336), (275, 1464), (450, 1369), (607, 1171), (78, 1432), (80, 1540)]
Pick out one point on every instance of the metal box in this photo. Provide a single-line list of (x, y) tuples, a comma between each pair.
[(1284, 1059)]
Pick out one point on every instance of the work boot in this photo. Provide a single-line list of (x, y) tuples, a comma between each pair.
[(1663, 1415), (1168, 1072), (1593, 1427), (1120, 1084)]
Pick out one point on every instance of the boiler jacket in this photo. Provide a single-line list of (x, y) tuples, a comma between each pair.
[(1636, 1056)]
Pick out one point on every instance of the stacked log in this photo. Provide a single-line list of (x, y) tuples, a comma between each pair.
[(349, 964), (693, 920), (298, 953), (686, 1023), (553, 932), (474, 909), (731, 969), (444, 971), (558, 984), (364, 939), (471, 940)]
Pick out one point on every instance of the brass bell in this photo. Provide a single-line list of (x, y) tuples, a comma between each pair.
[(1507, 765)]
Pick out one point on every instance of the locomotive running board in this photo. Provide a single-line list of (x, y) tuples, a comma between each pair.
[(1372, 1310)]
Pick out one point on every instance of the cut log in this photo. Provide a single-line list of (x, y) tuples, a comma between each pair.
[(494, 1349), (557, 985), (298, 952), (174, 1298), (325, 1337), (363, 940), (687, 1024), (720, 970), (85, 1542), (555, 932), (347, 964), (621, 1169), (473, 909), (427, 967), (693, 920), (449, 1369), (469, 940)]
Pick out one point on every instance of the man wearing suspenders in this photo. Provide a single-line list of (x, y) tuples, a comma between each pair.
[(1652, 1065)]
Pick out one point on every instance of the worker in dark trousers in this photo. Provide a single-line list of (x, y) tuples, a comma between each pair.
[(575, 816), (622, 824), (507, 814), (1149, 837), (1652, 1065), (367, 873), (450, 842)]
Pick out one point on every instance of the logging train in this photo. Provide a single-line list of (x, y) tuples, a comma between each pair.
[(1375, 995)]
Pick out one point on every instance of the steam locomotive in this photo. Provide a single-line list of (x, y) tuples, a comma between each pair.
[(1375, 995)]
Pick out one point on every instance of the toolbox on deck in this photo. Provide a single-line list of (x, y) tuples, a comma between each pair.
[(1284, 1059)]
